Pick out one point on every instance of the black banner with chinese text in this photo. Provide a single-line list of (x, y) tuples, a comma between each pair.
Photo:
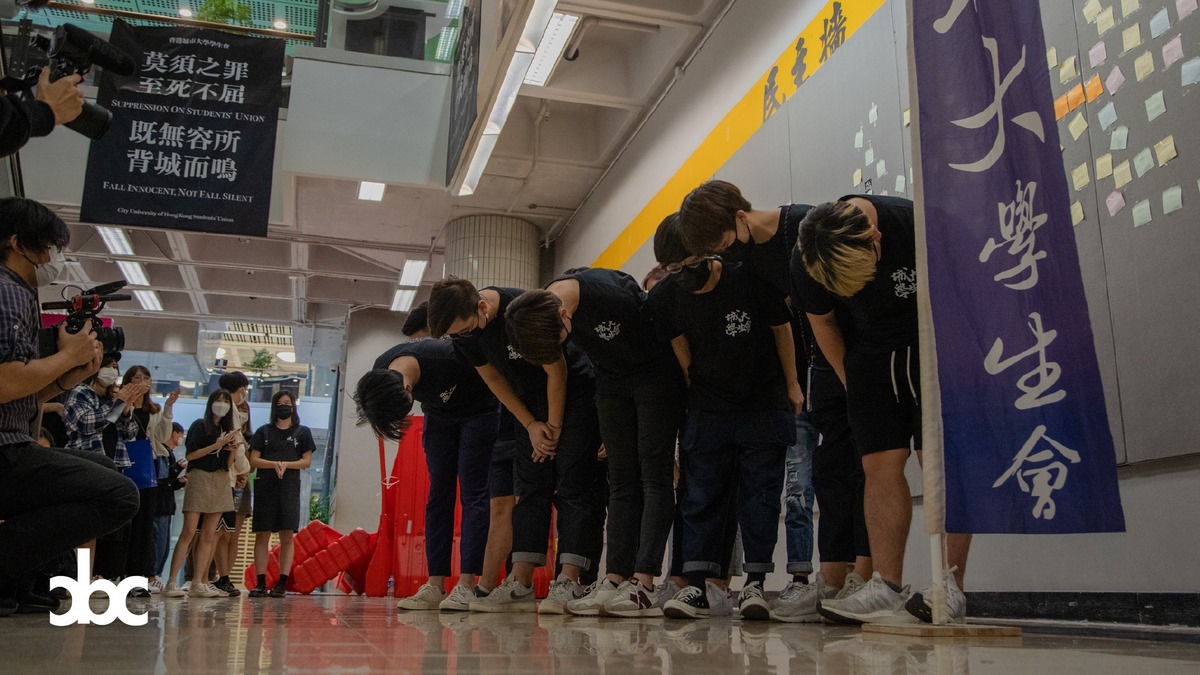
[(192, 142)]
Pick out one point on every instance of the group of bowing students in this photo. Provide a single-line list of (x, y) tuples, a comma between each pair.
[(752, 317)]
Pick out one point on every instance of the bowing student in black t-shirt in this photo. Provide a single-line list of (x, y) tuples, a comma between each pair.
[(717, 219), (639, 399), (858, 254), (279, 450), (733, 340), (555, 460), (458, 435)]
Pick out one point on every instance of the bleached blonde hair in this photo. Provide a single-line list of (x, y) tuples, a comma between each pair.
[(837, 247)]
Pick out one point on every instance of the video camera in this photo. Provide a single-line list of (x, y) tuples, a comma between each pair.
[(82, 310), (73, 51)]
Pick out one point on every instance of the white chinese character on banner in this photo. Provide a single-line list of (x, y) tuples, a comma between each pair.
[(236, 70), (1018, 223), (227, 141), (142, 132), (1042, 480), (156, 62), (233, 93), (199, 138), (168, 165), (150, 85), (1037, 382), (947, 22), (181, 88), (170, 135), (225, 168), (139, 160), (209, 67), (196, 167), (205, 90), (184, 64)]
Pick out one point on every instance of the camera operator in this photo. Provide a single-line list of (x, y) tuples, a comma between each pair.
[(55, 102), (51, 500)]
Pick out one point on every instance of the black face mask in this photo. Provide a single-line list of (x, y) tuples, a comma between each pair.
[(692, 279), (736, 252), (283, 412)]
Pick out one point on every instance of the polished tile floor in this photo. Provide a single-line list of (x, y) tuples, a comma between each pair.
[(339, 634)]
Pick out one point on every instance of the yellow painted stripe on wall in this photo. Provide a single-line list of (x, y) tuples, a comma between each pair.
[(738, 125)]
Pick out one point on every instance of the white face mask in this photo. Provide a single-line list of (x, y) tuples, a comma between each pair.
[(107, 376), (220, 408), (49, 272)]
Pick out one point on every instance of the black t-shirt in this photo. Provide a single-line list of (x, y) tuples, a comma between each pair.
[(281, 445), (491, 347), (198, 436), (885, 310), (735, 363), (448, 386), (614, 328)]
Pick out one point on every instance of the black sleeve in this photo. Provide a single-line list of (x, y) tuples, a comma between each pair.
[(662, 311), (304, 443), (20, 119), (807, 294), (259, 440), (195, 437), (468, 350)]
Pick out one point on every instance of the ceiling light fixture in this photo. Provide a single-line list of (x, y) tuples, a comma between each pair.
[(527, 46), (549, 51), (149, 300), (414, 271), (371, 192), (184, 11), (280, 24), (115, 240), (446, 42), (286, 357), (133, 272), (402, 301), (454, 9)]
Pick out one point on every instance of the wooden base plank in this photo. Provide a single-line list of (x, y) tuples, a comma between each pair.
[(952, 631)]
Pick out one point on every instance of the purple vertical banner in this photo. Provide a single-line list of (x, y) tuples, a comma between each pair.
[(1027, 446)]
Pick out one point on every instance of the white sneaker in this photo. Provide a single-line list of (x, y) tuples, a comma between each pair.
[(874, 602), (752, 602), (634, 600), (798, 602), (665, 591), (594, 598), (719, 603), (187, 586), (204, 591), (459, 599), (156, 587), (510, 596), (850, 586), (174, 591), (920, 604), (427, 597), (562, 591)]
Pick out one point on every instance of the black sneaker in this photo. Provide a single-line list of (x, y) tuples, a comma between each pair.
[(33, 603), (227, 588), (139, 593), (278, 591), (8, 606), (258, 592), (688, 603)]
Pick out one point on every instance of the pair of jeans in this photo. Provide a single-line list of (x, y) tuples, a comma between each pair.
[(798, 497), (162, 542), (639, 426), (837, 473), (567, 482), (52, 500), (731, 454), (458, 453)]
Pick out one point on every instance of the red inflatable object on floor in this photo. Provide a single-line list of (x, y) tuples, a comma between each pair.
[(321, 553)]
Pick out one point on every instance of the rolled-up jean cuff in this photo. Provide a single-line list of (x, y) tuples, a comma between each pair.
[(572, 559), (538, 559), (712, 568), (751, 568), (799, 568)]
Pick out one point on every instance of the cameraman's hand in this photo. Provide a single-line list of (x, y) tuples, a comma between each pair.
[(63, 96), (81, 347)]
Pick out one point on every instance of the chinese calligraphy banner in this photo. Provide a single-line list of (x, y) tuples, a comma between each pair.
[(1026, 442), (192, 142)]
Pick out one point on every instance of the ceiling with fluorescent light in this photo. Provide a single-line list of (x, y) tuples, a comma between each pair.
[(340, 252)]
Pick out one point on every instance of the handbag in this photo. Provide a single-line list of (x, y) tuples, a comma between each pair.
[(142, 471)]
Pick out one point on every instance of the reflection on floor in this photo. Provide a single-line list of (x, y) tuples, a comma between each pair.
[(335, 633)]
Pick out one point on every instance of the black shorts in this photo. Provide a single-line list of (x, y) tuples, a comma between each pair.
[(500, 475), (883, 399)]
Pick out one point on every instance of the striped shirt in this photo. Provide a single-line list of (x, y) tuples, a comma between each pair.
[(85, 416), (19, 323)]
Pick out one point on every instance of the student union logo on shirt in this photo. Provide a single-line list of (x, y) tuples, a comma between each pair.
[(737, 322), (445, 395), (906, 282), (608, 330), (81, 591), (513, 355)]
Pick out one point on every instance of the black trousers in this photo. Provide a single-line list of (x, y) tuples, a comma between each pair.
[(52, 500), (837, 473)]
